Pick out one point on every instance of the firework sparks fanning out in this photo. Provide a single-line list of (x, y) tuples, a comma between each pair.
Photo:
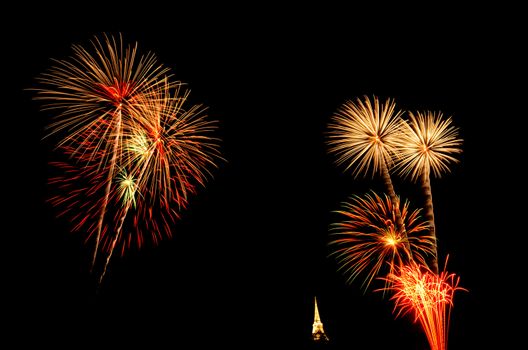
[(136, 148), (427, 145), (365, 134), (426, 295), (97, 90), (369, 241)]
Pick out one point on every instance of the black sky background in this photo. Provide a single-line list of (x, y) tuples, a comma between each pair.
[(250, 253)]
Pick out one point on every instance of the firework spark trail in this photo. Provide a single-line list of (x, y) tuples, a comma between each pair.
[(426, 145), (367, 240), (129, 200), (365, 134), (111, 171), (427, 295)]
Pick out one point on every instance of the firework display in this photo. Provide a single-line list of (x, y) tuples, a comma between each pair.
[(135, 148), (131, 149), (377, 237)]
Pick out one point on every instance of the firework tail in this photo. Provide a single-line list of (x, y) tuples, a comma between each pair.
[(108, 186)]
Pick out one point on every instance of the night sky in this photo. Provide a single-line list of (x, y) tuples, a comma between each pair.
[(250, 253)]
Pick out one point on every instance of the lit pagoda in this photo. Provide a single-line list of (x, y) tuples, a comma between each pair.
[(318, 333)]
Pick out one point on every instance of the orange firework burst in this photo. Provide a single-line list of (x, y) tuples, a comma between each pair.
[(427, 295), (94, 95), (369, 240), (136, 148), (97, 90)]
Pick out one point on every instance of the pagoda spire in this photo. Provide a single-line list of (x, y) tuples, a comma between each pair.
[(318, 334)]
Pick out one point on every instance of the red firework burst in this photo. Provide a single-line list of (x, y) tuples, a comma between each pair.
[(426, 295)]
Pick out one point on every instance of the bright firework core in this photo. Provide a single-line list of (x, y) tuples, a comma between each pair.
[(392, 241)]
